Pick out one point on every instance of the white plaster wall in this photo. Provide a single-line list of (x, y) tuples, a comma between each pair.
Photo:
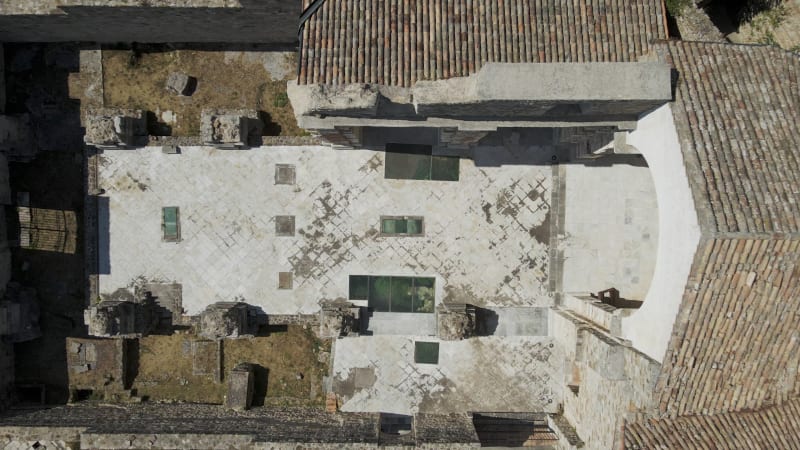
[(679, 234)]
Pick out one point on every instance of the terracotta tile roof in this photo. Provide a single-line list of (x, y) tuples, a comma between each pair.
[(397, 42), (770, 428), (737, 112), (736, 342)]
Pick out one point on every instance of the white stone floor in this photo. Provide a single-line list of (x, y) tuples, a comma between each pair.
[(480, 244), (610, 236), (487, 374)]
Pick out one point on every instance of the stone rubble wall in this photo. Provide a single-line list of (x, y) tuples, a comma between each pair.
[(615, 382), (208, 426), (217, 21), (695, 25), (591, 309)]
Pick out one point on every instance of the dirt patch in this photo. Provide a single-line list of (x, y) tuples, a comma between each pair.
[(288, 370), (225, 80)]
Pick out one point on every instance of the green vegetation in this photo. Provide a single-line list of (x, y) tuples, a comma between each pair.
[(765, 22), (280, 100), (676, 7)]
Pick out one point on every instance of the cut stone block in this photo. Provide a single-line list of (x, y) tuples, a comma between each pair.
[(240, 387), (284, 225), (284, 174), (284, 280), (181, 84)]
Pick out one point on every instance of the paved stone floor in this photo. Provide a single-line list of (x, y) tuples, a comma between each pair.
[(486, 236), (610, 235), (488, 374)]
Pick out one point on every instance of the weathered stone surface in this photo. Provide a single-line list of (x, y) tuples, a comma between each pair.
[(240, 387), (230, 129), (503, 201), (121, 318), (456, 321), (694, 24), (110, 128), (229, 320), (337, 319), (97, 364), (180, 83)]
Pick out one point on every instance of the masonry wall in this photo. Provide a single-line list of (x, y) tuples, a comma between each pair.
[(170, 426), (201, 21), (614, 381)]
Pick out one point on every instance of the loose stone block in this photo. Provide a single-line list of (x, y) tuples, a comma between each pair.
[(240, 387), (181, 84), (285, 280)]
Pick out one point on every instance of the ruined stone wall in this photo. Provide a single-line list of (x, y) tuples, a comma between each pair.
[(613, 381), (170, 426), (210, 21)]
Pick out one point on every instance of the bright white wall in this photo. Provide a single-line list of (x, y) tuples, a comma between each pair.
[(650, 327)]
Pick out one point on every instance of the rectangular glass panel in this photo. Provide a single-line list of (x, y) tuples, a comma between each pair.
[(380, 293), (387, 226), (445, 168), (170, 220), (424, 294), (359, 287), (414, 226), (426, 352), (408, 162), (401, 294)]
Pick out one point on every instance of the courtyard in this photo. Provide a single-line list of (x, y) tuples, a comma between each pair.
[(485, 241)]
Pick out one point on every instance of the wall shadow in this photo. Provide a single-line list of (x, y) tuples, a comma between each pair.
[(260, 384), (103, 235)]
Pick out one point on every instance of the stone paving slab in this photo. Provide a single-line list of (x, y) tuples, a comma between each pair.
[(487, 374), (482, 240), (610, 235)]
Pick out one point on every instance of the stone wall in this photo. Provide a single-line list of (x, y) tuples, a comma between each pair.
[(208, 426), (217, 21), (611, 381)]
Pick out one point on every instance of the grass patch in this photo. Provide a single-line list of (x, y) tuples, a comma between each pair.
[(280, 100), (677, 7)]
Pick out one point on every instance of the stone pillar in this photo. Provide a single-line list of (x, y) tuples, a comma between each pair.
[(240, 387), (339, 318), (229, 320), (456, 321), (120, 319), (115, 128), (230, 129)]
